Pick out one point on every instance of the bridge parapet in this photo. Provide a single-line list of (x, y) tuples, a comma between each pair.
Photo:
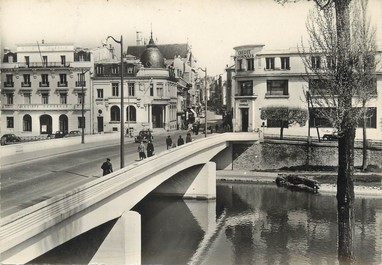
[(41, 227)]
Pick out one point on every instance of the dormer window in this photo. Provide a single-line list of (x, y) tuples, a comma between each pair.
[(130, 70), (115, 69), (99, 69)]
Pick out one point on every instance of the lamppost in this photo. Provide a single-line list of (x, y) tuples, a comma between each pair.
[(82, 80), (205, 99), (122, 140)]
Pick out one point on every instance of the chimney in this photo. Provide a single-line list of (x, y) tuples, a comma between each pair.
[(139, 38)]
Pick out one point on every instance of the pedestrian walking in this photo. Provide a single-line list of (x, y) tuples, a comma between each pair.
[(188, 138), (150, 149), (180, 140), (107, 167), (142, 150), (168, 142)]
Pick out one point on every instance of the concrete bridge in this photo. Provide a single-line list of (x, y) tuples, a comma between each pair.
[(188, 171)]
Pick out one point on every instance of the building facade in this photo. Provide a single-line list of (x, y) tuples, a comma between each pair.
[(155, 91), (279, 78), (46, 88)]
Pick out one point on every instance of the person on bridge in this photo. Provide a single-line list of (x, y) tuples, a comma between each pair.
[(188, 138), (107, 167), (180, 140), (150, 149), (142, 151), (168, 142)]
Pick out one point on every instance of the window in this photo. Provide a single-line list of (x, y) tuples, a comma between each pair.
[(160, 90), (330, 63), (246, 88), (131, 113), (63, 98), (63, 81), (9, 80), (99, 69), (316, 62), (114, 90), (115, 69), (130, 70), (371, 118), (10, 123), (45, 60), (277, 87), (100, 93), (10, 99), (27, 98), (44, 80), (63, 59), (285, 63), (114, 114), (240, 64), (81, 122), (250, 64), (277, 123), (131, 89), (319, 87), (26, 60), (81, 98), (151, 89), (27, 123), (27, 80), (45, 98), (270, 63)]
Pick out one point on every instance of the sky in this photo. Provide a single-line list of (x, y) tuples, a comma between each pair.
[(212, 27)]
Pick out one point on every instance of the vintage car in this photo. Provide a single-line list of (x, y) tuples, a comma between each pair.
[(330, 137), (144, 135), (9, 138)]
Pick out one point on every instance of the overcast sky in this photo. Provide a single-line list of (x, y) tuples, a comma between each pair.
[(211, 27)]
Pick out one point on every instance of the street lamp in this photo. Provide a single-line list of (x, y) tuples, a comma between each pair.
[(122, 140), (205, 99), (82, 80)]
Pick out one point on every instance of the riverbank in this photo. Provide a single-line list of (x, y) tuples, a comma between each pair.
[(360, 189)]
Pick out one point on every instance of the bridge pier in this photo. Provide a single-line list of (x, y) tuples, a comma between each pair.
[(123, 243), (197, 182)]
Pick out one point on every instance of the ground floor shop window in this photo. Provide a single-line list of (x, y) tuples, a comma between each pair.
[(10, 122), (27, 123)]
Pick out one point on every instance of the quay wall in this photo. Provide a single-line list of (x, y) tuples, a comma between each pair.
[(273, 154)]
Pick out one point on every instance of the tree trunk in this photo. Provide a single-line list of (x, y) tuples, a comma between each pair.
[(345, 186), (364, 143)]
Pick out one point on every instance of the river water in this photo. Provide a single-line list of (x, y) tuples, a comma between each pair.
[(246, 224)]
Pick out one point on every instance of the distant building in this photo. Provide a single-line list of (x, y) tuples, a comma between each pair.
[(43, 90), (278, 78)]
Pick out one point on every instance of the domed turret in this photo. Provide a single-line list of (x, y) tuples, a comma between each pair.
[(152, 57)]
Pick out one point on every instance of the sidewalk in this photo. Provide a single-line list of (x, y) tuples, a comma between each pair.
[(270, 177)]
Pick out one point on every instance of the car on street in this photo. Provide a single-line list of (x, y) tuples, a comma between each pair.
[(144, 135), (330, 137), (73, 133), (57, 134), (9, 138)]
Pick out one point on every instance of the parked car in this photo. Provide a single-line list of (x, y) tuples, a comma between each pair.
[(73, 133), (144, 135), (330, 137), (59, 134), (9, 138)]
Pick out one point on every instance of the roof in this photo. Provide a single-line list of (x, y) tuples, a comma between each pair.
[(169, 51)]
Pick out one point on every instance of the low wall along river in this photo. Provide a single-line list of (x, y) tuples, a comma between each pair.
[(273, 154)]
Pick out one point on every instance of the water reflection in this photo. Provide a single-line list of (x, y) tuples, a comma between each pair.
[(255, 224)]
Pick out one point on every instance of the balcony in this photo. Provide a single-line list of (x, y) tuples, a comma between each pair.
[(44, 65), (62, 84), (24, 84), (43, 107), (9, 84), (45, 84), (80, 83)]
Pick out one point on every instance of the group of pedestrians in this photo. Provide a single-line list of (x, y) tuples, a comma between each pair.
[(180, 141), (142, 149)]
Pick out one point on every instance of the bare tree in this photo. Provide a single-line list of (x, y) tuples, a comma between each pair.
[(335, 63)]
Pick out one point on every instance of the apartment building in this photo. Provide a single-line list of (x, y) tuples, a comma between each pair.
[(44, 89), (266, 78)]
